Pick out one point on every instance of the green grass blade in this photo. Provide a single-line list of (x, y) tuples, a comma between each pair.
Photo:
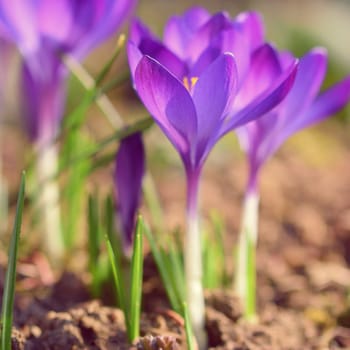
[(108, 66), (136, 280), (170, 283), (74, 187), (176, 270), (93, 243), (219, 238), (9, 288), (115, 262), (160, 260), (188, 328), (119, 135)]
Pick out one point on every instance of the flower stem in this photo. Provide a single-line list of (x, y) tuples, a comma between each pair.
[(48, 202), (245, 282), (193, 261)]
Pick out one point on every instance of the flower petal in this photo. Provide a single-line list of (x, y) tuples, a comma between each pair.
[(264, 102), (325, 105), (205, 35), (55, 19), (263, 71), (310, 75), (168, 101), (134, 56), (228, 40), (147, 44), (213, 96), (43, 92), (106, 18), (179, 30), (18, 23), (251, 25)]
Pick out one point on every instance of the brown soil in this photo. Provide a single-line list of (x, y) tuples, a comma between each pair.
[(303, 272)]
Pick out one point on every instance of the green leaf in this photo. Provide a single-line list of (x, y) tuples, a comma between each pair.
[(108, 66), (188, 327), (162, 262), (9, 287), (136, 280), (94, 244), (119, 135), (115, 262)]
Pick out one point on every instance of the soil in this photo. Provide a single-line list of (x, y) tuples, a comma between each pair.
[(302, 267)]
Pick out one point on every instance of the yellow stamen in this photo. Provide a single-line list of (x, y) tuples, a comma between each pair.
[(193, 81), (189, 83), (186, 83)]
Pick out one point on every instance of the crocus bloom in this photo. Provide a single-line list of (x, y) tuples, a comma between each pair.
[(189, 84), (260, 138), (44, 30), (302, 107), (129, 171)]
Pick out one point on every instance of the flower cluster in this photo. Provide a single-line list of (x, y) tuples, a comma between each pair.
[(208, 76)]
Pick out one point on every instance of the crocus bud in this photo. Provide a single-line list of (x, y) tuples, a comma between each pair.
[(129, 171)]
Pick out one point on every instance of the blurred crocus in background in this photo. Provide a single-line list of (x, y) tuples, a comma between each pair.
[(129, 172), (43, 31), (303, 106), (189, 83)]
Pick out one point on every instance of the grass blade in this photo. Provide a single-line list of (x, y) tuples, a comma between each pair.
[(119, 282), (118, 135), (161, 262), (136, 280), (108, 66), (9, 288), (188, 328), (94, 244)]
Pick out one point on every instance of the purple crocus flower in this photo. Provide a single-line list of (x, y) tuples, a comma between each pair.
[(303, 106), (190, 84), (260, 138), (43, 30), (129, 171)]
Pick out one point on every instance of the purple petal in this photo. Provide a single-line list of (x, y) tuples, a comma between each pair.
[(264, 102), (148, 44), (229, 40), (179, 30), (168, 101), (213, 97), (55, 19), (18, 23), (327, 104), (166, 58), (96, 20), (205, 35), (43, 96), (129, 171), (251, 25), (263, 71), (310, 75), (134, 56), (139, 31)]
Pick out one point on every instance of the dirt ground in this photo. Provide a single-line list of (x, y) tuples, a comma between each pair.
[(302, 264)]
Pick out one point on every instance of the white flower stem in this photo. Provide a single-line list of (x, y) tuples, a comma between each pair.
[(48, 202), (193, 263), (245, 281)]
